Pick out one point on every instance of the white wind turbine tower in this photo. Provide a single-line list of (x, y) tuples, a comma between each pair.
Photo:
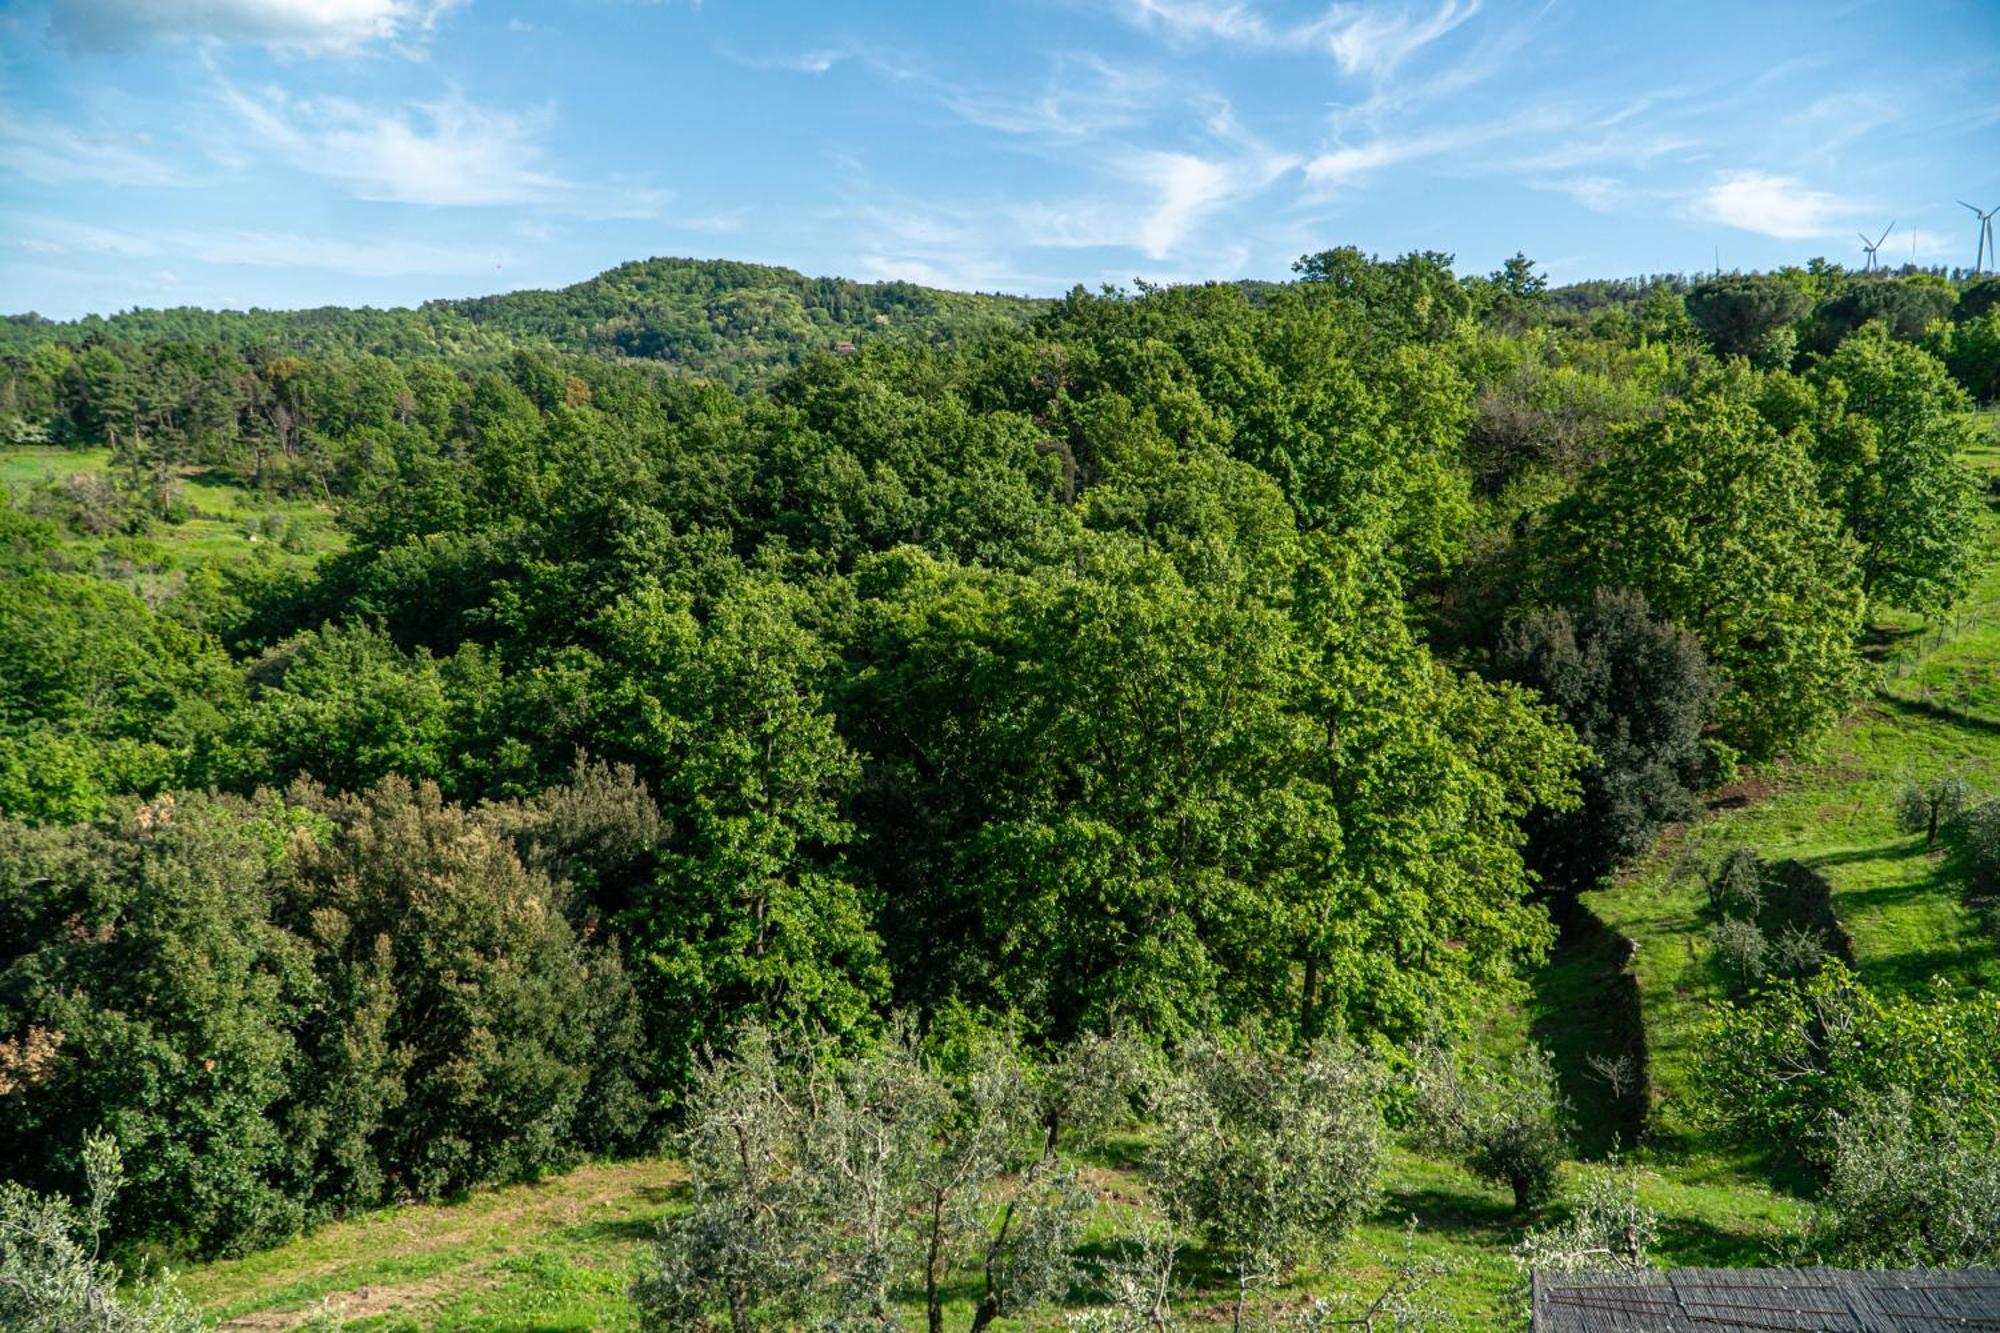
[(1869, 248), (1985, 236)]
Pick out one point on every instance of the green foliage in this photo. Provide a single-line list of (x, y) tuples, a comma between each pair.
[(286, 1009), (1716, 519), (1904, 1194), (1736, 889), (1905, 308), (1268, 1157), (1608, 1229), (822, 1188), (1928, 807), (1970, 349), (97, 693), (1510, 1124), (1889, 446), (1791, 1063)]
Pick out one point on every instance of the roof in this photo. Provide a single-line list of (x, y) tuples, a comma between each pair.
[(1826, 1300)]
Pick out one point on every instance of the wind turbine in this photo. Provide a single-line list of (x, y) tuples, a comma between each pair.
[(1869, 248), (1985, 235)]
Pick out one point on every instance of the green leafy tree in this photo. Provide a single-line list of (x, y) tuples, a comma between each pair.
[(1892, 454), (145, 940), (1639, 691), (1801, 1057), (753, 915), (1716, 519)]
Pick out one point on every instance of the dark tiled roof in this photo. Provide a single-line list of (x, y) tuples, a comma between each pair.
[(1824, 1300)]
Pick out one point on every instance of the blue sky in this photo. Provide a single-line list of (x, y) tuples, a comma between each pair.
[(300, 152)]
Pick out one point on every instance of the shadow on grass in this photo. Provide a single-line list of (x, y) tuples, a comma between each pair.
[(1902, 850), (1449, 1213), (1586, 1015), (1937, 712), (623, 1230), (1695, 1243)]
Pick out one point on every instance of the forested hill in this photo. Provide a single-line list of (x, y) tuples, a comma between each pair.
[(736, 322)]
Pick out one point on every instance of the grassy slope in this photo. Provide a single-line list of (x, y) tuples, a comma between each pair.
[(558, 1255), (1937, 710)]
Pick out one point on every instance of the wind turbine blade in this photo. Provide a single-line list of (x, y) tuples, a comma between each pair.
[(1963, 204), (1885, 234), (1864, 240)]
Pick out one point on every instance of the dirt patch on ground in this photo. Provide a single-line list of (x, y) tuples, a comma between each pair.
[(409, 1299), (1744, 791)]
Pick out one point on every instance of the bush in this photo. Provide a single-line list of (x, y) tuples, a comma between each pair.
[(1737, 888), (1900, 1195), (1799, 951), (1608, 1230), (1801, 1057), (1739, 948)]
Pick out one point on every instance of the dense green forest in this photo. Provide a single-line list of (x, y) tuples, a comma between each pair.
[(706, 705)]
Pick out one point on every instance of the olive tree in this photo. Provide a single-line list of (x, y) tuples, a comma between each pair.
[(1510, 1124), (822, 1185), (1268, 1157), (1927, 807), (53, 1278)]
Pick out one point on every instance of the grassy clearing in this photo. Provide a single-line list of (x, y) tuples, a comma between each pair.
[(224, 522)]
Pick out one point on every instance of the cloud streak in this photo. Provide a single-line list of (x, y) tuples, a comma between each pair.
[(448, 152), (314, 27), (1361, 39)]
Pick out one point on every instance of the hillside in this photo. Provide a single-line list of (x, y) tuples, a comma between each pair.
[(1293, 761), (736, 322)]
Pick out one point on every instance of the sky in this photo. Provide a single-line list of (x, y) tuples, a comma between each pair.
[(286, 153)]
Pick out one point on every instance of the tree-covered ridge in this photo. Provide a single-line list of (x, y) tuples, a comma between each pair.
[(738, 323)]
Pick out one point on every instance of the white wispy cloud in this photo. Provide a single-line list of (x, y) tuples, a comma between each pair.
[(1084, 95), (445, 152), (315, 27), (55, 153), (1361, 39), (373, 257), (1782, 207)]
